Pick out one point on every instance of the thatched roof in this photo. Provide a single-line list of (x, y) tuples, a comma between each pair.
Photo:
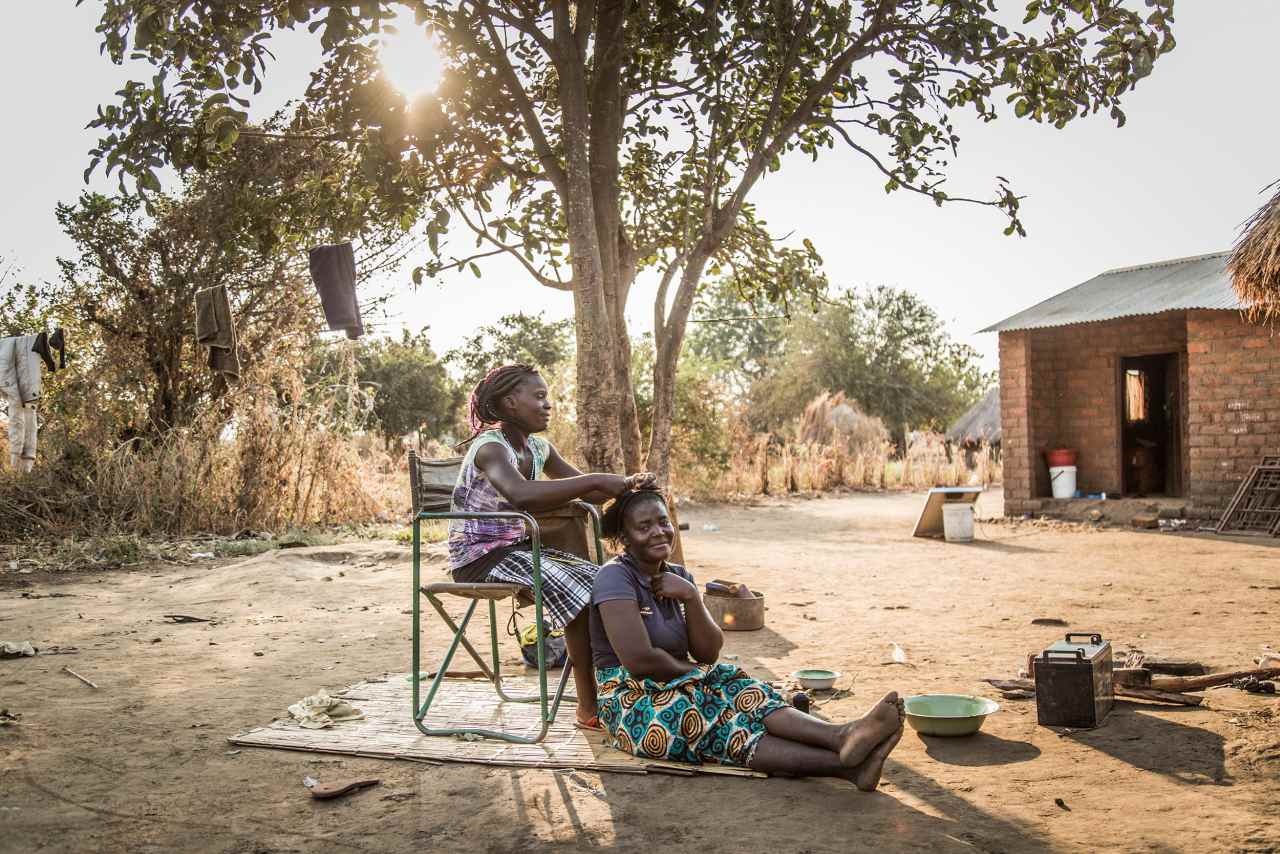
[(1255, 261), (981, 423)]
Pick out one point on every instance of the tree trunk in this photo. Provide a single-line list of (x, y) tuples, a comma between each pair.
[(617, 256), (599, 401), (668, 342)]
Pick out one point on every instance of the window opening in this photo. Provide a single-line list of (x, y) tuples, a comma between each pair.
[(1135, 396)]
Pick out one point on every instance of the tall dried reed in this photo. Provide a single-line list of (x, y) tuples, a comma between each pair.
[(837, 447), (274, 453)]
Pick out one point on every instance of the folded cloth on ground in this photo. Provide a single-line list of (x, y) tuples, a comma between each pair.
[(333, 270), (216, 330), (320, 710), (16, 649)]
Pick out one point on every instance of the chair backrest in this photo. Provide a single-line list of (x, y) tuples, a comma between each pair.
[(431, 483)]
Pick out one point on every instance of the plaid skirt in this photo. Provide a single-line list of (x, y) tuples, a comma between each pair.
[(566, 582), (712, 714)]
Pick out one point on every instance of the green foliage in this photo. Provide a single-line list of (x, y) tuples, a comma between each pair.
[(884, 348), (518, 338), (703, 411), (741, 339), (712, 96), (412, 391), (594, 142)]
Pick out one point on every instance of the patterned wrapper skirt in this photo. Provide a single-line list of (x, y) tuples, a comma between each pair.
[(712, 714)]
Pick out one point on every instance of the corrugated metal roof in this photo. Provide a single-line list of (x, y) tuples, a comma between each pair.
[(1183, 283)]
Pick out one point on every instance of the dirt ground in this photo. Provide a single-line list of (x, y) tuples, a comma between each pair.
[(141, 764)]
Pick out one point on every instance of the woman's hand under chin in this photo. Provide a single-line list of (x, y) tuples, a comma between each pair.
[(668, 585)]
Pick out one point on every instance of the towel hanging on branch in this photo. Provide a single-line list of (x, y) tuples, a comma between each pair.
[(333, 270), (216, 330)]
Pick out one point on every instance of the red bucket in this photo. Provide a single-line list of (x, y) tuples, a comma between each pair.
[(1060, 457)]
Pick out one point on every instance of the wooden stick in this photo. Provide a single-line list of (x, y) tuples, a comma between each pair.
[(1157, 696), (78, 676), (1199, 683)]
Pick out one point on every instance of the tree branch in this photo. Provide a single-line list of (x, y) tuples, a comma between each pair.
[(924, 191), (514, 251), (528, 114)]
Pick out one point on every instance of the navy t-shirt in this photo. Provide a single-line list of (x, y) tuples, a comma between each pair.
[(663, 618)]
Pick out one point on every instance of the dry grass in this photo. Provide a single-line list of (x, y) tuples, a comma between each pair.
[(1255, 261), (276, 454), (838, 448)]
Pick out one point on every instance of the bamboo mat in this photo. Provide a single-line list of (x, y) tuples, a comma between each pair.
[(387, 731)]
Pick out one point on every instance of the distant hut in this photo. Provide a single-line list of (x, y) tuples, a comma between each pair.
[(1255, 261), (980, 425), (977, 427)]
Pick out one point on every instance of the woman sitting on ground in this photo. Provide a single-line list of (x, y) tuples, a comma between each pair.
[(647, 619), (501, 473)]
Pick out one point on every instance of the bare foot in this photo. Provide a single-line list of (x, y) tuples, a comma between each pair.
[(861, 736), (867, 775), (586, 714)]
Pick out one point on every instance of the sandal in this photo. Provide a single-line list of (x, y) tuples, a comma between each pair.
[(593, 724)]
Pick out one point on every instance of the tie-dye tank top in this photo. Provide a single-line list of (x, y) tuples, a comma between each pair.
[(470, 539)]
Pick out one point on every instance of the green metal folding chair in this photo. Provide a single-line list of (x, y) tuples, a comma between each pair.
[(431, 482)]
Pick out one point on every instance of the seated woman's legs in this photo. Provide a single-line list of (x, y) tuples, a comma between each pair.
[(800, 745), (853, 741), (784, 758), (577, 639)]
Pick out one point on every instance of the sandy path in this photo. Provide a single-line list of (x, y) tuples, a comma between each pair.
[(141, 765)]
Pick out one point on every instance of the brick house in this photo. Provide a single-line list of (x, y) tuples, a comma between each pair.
[(1154, 376)]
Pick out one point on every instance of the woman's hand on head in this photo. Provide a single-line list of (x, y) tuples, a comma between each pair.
[(642, 480), (613, 485), (668, 585)]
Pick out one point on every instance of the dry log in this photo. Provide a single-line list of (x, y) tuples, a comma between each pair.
[(1175, 667), (1137, 677), (1199, 683), (1157, 696)]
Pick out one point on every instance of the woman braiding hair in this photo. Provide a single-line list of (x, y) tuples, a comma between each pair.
[(508, 467)]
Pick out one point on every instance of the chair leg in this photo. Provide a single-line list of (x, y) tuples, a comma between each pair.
[(466, 644), (421, 713), (548, 716)]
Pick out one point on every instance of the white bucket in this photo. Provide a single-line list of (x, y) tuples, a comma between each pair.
[(957, 522), (1062, 480)]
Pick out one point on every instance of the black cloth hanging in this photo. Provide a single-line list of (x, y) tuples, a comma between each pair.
[(216, 330), (58, 341), (41, 349), (333, 270), (46, 344)]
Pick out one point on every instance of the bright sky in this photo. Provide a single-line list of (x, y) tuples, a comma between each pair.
[(1200, 144)]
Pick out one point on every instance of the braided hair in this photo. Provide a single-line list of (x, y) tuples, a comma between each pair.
[(613, 522), (496, 385)]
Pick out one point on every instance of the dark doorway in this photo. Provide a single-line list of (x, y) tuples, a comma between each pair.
[(1149, 425)]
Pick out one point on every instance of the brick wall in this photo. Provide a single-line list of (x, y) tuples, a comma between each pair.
[(1015, 406), (1067, 384), (1233, 402)]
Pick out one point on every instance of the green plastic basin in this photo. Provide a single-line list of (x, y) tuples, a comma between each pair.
[(948, 714), (816, 679)]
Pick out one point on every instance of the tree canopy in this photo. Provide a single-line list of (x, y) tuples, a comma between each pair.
[(412, 391), (518, 338), (597, 141), (884, 348)]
